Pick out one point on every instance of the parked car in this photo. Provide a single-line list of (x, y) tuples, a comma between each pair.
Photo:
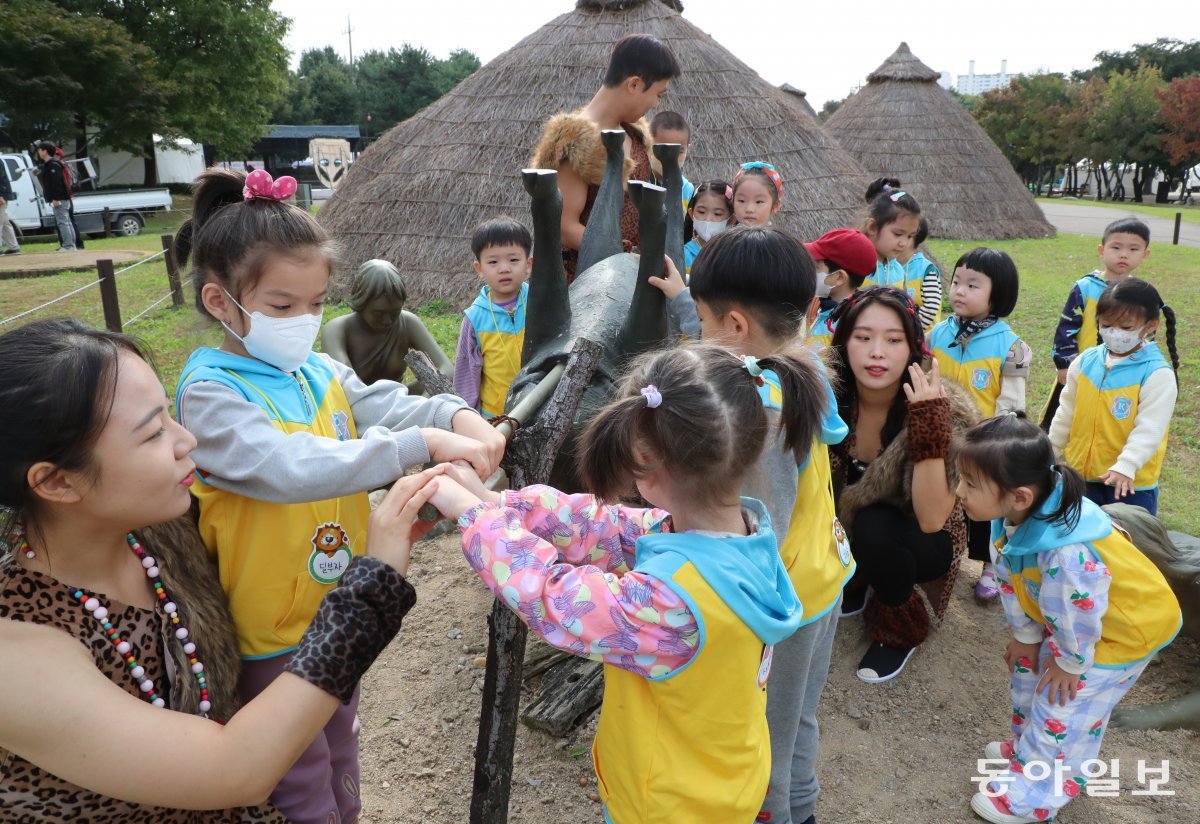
[(31, 213)]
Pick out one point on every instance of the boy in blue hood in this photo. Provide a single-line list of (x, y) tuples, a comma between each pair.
[(493, 327), (685, 601), (1086, 609)]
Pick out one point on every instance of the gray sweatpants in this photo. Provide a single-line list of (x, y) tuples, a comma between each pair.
[(66, 229), (8, 238), (798, 672)]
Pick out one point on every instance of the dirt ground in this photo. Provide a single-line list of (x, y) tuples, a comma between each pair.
[(898, 752)]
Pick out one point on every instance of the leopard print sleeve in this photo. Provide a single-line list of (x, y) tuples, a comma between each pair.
[(930, 428), (355, 621)]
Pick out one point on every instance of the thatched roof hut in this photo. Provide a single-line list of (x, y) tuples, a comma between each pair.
[(903, 124), (415, 195)]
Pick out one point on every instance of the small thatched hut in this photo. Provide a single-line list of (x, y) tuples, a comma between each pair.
[(415, 195), (903, 124)]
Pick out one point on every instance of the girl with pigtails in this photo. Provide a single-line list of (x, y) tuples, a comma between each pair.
[(1116, 407), (682, 601)]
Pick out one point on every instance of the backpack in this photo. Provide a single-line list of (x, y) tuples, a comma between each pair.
[(68, 177)]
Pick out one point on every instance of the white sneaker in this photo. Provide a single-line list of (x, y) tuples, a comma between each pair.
[(999, 750), (988, 809)]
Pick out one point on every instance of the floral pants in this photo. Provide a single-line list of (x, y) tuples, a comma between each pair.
[(1045, 733)]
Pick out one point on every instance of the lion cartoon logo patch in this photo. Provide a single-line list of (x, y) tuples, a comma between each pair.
[(331, 553)]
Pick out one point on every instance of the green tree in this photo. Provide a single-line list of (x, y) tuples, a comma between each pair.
[(1174, 58), (396, 84), (1127, 128), (60, 72), (321, 90), (829, 108), (223, 62)]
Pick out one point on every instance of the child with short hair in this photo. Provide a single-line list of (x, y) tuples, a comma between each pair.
[(752, 288), (493, 327), (671, 127), (1124, 246), (893, 222), (708, 214), (757, 193), (844, 258), (918, 267), (684, 602), (1087, 611), (1116, 407), (980, 352), (289, 442)]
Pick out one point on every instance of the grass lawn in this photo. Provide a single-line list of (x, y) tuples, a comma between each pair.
[(1191, 214), (1048, 268)]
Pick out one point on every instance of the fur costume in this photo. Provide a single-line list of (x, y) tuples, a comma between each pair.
[(189, 575), (572, 138), (888, 480)]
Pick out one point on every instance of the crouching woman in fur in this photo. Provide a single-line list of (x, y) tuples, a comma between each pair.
[(894, 476), (118, 662)]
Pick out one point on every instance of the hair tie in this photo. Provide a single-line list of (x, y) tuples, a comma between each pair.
[(761, 166), (1053, 467), (652, 395), (260, 186), (887, 187)]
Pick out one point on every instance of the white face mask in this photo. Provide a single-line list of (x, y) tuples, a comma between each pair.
[(1121, 341), (823, 288), (706, 230), (285, 343)]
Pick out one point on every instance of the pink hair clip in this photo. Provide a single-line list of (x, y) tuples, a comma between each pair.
[(729, 193), (260, 185)]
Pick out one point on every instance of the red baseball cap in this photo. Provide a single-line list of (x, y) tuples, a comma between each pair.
[(849, 249)]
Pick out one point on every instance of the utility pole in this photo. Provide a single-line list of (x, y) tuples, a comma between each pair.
[(350, 40)]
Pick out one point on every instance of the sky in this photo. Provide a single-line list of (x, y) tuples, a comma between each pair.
[(825, 47)]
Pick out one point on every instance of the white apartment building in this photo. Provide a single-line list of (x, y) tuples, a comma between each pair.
[(971, 83)]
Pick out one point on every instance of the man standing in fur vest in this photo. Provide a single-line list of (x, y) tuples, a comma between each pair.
[(639, 70)]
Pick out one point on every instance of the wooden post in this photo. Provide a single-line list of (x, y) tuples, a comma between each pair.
[(107, 215), (527, 461), (1178, 218), (168, 244), (108, 295)]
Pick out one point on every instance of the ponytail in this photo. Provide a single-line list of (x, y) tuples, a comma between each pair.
[(696, 410), (805, 396), (1169, 314), (880, 185), (606, 457), (1073, 487), (1011, 451), (229, 239)]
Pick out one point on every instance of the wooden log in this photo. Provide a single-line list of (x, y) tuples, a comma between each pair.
[(570, 690), (435, 382), (527, 461)]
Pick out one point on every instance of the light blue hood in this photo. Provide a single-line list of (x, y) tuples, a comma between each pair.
[(746, 572), (1037, 534)]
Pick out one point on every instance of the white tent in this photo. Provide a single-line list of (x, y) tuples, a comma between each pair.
[(181, 163)]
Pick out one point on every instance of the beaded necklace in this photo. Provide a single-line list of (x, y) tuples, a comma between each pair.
[(92, 605)]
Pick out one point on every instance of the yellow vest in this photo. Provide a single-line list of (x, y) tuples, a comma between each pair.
[(1106, 408), (277, 561), (1142, 616), (975, 364), (693, 747), (500, 337)]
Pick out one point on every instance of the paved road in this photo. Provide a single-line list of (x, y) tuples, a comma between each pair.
[(1081, 219)]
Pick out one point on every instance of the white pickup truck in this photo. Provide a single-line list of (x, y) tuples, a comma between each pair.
[(31, 213)]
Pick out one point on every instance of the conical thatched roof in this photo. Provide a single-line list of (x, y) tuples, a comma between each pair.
[(415, 195), (903, 124)]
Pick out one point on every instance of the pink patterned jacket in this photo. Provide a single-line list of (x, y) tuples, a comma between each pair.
[(564, 564)]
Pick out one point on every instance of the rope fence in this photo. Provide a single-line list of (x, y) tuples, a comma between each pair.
[(50, 302), (107, 281), (156, 303)]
